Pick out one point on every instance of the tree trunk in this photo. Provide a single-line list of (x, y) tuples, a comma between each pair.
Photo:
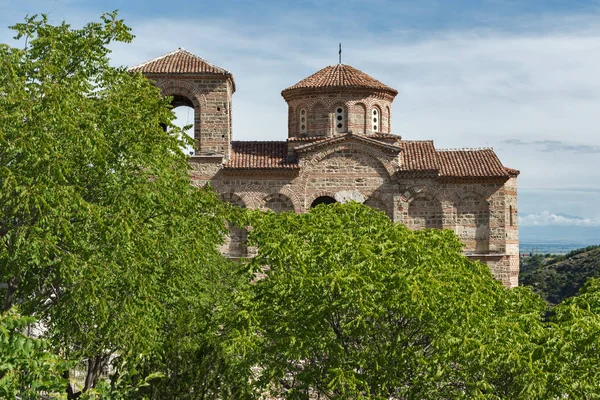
[(9, 299)]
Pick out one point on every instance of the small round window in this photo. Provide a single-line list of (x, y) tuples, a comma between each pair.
[(302, 122), (340, 116), (375, 120)]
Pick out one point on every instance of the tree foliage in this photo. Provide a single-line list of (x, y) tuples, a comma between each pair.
[(27, 367), (104, 241), (102, 237), (348, 305), (354, 306), (556, 278)]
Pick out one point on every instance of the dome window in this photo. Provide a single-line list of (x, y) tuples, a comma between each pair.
[(340, 120), (302, 121), (375, 120)]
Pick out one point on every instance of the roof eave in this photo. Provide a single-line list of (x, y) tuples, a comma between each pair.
[(288, 93)]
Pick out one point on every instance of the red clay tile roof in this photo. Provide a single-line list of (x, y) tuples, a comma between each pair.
[(512, 172), (179, 61), (470, 163), (419, 155), (306, 139), (381, 135), (260, 155), (341, 76)]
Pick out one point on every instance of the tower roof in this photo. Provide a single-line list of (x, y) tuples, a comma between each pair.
[(180, 61), (341, 76)]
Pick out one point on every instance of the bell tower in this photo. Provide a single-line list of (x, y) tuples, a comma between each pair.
[(196, 83)]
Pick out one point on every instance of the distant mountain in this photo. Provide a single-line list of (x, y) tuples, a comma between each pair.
[(558, 277)]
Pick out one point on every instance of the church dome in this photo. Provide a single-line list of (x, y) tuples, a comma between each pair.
[(336, 100), (339, 76)]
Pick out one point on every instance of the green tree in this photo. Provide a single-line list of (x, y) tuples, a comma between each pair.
[(347, 304), (102, 236), (556, 278), (572, 345), (27, 367)]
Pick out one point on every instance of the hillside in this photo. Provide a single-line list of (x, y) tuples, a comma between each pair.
[(557, 277)]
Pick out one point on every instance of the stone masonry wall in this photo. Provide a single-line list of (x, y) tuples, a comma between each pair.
[(210, 96), (479, 213), (321, 116)]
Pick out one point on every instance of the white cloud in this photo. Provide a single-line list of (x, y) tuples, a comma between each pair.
[(535, 82), (460, 88), (547, 218)]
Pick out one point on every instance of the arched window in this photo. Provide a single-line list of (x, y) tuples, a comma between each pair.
[(323, 200), (302, 121), (341, 125), (185, 115), (376, 119)]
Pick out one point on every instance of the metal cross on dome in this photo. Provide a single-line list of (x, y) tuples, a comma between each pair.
[(340, 53)]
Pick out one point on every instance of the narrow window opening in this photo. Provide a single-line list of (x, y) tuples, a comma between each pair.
[(375, 120), (510, 213), (185, 116), (302, 122), (341, 120)]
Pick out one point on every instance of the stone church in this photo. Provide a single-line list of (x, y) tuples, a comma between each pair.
[(340, 147)]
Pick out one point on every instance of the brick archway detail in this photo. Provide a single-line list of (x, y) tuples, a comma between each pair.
[(184, 89), (409, 195), (373, 152), (323, 193), (475, 190), (233, 199), (279, 196)]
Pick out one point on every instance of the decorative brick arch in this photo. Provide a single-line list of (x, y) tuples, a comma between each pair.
[(233, 199), (293, 198), (480, 195), (302, 104), (184, 89), (278, 202), (409, 195), (424, 208), (383, 158), (252, 196), (315, 195), (459, 193)]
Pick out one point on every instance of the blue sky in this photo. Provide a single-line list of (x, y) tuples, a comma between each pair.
[(519, 76)]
